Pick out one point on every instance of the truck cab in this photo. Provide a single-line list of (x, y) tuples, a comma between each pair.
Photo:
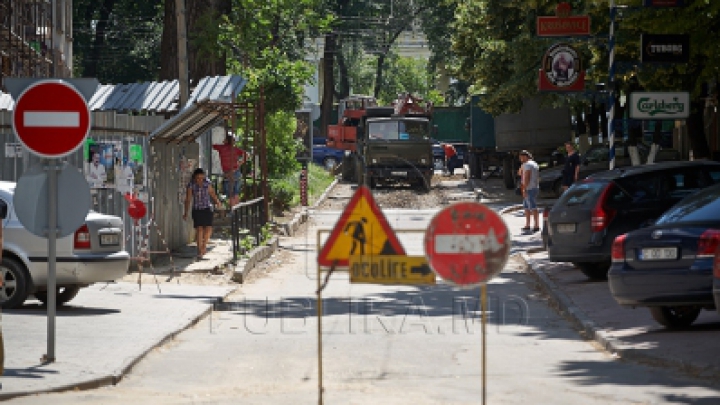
[(397, 149)]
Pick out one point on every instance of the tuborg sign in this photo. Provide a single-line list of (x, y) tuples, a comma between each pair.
[(660, 105)]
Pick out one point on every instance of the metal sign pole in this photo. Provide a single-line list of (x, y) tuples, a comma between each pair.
[(483, 303), (319, 329), (52, 168)]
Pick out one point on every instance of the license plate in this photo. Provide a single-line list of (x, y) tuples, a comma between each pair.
[(110, 239), (668, 253), (398, 173), (566, 228)]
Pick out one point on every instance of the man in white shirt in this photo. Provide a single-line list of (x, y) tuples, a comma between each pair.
[(530, 186), (96, 173)]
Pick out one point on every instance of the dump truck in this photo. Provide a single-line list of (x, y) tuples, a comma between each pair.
[(494, 143), (385, 145)]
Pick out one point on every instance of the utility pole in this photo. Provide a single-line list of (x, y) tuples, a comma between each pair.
[(182, 52)]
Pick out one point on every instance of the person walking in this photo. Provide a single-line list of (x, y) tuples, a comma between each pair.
[(451, 158), (200, 192), (231, 158), (571, 171), (530, 186)]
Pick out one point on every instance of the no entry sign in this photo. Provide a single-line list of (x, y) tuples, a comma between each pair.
[(51, 118), (467, 244)]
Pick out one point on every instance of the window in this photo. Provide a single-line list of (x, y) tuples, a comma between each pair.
[(701, 206), (715, 175), (390, 130), (643, 188), (582, 194)]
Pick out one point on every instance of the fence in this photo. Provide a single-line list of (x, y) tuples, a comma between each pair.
[(247, 222)]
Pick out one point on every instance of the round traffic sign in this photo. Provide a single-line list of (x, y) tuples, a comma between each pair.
[(51, 118), (31, 205), (467, 243)]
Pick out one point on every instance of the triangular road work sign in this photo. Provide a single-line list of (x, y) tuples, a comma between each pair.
[(362, 230)]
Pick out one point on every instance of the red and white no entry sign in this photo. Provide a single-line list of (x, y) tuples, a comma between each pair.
[(51, 118), (467, 243)]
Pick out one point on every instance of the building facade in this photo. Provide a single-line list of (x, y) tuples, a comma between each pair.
[(35, 38)]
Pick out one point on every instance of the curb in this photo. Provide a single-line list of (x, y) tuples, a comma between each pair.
[(591, 331), (290, 228), (255, 256), (118, 375)]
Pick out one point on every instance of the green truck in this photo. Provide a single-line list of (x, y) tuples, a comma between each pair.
[(493, 143), (391, 149)]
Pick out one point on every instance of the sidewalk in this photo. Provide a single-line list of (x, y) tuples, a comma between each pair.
[(627, 333), (100, 334)]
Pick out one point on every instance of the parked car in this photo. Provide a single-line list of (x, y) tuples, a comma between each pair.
[(595, 160), (584, 222), (326, 156), (716, 279), (93, 254), (668, 267)]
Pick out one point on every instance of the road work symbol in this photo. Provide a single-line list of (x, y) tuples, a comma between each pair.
[(362, 230), (358, 236)]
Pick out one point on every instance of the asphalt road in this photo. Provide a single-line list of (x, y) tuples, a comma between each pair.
[(385, 344)]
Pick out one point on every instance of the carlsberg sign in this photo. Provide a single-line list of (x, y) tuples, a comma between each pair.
[(659, 106)]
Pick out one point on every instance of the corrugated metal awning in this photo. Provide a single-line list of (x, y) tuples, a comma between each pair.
[(154, 97), (212, 100)]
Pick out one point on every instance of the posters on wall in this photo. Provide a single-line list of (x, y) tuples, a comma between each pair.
[(114, 164)]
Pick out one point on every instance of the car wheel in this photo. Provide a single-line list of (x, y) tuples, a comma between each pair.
[(329, 163), (64, 295), (594, 271), (675, 317), (15, 280)]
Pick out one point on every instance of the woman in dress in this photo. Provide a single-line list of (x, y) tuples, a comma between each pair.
[(200, 192)]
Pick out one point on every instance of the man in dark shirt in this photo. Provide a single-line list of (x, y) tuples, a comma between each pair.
[(572, 166)]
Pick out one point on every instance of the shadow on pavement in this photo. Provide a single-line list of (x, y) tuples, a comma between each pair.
[(34, 372), (62, 311)]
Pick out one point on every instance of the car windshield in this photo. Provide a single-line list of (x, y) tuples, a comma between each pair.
[(581, 194), (399, 130), (703, 206)]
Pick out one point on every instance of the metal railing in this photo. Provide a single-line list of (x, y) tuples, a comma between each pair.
[(247, 222)]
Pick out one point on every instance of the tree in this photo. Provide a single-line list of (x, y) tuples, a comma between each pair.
[(117, 41), (205, 56)]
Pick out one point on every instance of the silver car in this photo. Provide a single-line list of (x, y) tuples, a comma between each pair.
[(93, 254)]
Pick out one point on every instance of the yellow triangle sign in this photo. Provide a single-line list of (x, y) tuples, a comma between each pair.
[(361, 230)]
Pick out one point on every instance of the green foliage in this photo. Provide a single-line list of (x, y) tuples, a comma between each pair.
[(266, 41), (318, 180), (498, 53), (402, 75), (284, 192), (281, 145)]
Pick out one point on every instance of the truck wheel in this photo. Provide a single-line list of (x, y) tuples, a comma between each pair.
[(508, 173)]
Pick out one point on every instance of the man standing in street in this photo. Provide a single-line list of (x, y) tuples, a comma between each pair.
[(451, 158), (231, 158), (571, 171), (530, 186)]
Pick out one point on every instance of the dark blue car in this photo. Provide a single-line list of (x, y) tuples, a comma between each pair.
[(668, 267), (326, 156)]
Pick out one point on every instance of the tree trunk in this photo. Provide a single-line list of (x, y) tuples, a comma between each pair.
[(580, 127), (200, 64), (592, 122), (379, 70), (343, 75), (92, 61), (328, 81)]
